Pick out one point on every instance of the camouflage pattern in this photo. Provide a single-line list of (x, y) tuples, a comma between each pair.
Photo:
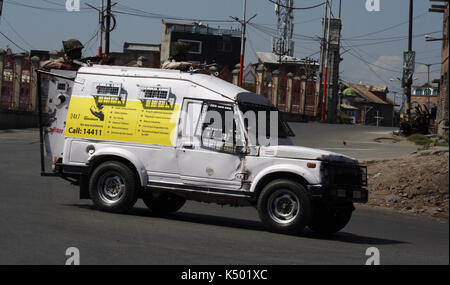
[(56, 63), (72, 44), (180, 48)]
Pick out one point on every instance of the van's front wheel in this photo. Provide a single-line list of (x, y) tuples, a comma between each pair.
[(113, 187), (284, 206)]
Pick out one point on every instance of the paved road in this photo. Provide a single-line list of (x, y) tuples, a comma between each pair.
[(41, 217), (359, 140)]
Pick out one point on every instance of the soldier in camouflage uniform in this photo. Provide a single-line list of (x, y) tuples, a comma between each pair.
[(72, 51), (178, 60)]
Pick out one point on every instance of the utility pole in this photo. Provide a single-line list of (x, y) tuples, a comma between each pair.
[(340, 9), (243, 23), (322, 58), (409, 83), (429, 86), (393, 108), (102, 20), (101, 13), (244, 27), (284, 45), (325, 73), (108, 26)]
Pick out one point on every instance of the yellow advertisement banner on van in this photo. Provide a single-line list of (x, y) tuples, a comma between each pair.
[(129, 121)]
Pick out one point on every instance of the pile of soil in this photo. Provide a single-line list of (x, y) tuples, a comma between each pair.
[(416, 184)]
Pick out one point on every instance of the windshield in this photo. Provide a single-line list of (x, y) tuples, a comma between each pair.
[(263, 124)]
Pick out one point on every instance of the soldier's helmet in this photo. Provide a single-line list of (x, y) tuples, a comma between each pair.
[(72, 44)]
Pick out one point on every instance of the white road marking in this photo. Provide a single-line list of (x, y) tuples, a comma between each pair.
[(357, 149)]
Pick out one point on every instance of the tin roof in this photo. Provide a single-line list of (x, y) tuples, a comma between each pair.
[(348, 107), (268, 57), (141, 47), (199, 28), (365, 91), (427, 85)]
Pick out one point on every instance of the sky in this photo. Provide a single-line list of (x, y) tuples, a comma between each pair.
[(372, 42)]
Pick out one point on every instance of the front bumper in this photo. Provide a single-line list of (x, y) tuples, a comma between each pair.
[(356, 195)]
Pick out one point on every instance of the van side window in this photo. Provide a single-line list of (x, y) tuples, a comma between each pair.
[(190, 120), (218, 129)]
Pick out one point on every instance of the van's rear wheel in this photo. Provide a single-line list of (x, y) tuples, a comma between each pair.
[(163, 203), (331, 219), (284, 206), (113, 187)]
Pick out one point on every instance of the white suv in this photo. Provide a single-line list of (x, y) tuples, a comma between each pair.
[(169, 136)]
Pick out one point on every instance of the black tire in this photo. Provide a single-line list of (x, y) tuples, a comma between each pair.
[(164, 203), (282, 195), (113, 187), (331, 219)]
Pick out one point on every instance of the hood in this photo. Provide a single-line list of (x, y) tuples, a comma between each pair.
[(282, 151)]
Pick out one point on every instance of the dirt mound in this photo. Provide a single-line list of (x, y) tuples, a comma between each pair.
[(417, 184)]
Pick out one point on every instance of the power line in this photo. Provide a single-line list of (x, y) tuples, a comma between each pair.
[(370, 67), (296, 23), (391, 41), (11, 41), (141, 13), (388, 28), (42, 8), (273, 33), (356, 49), (14, 30), (298, 8), (93, 37), (374, 65)]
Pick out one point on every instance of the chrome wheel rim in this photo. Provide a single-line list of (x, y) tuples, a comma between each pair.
[(283, 206), (111, 187)]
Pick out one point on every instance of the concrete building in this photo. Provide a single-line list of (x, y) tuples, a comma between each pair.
[(442, 109), (137, 54), (207, 45), (18, 96), (425, 95), (366, 104), (289, 83)]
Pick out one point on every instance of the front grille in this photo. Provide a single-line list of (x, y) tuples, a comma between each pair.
[(345, 175)]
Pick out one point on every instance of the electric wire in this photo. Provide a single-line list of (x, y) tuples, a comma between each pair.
[(15, 32), (11, 41), (298, 8)]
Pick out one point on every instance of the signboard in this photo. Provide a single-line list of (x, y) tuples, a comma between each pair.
[(409, 61), (130, 121)]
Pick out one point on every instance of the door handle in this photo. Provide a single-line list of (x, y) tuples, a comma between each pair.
[(188, 145)]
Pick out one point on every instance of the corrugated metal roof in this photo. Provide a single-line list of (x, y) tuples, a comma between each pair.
[(365, 92), (348, 107), (142, 47), (199, 28), (268, 57)]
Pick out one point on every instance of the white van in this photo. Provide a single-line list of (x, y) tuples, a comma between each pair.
[(124, 133)]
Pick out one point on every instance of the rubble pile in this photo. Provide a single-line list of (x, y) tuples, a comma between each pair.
[(417, 184)]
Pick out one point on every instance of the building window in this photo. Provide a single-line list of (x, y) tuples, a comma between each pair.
[(435, 92), (419, 92), (224, 45), (195, 47)]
